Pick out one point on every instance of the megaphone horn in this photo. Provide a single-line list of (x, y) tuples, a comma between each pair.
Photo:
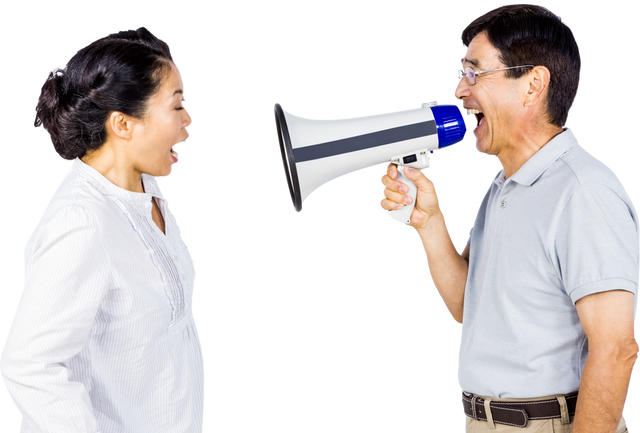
[(316, 151)]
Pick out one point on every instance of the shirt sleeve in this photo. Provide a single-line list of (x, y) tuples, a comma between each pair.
[(597, 243), (67, 276)]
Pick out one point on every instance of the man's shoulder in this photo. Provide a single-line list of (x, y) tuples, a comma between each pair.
[(591, 180), (586, 170)]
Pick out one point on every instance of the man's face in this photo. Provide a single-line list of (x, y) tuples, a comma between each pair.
[(495, 100)]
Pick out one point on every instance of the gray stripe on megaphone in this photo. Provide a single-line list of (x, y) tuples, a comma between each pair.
[(365, 141)]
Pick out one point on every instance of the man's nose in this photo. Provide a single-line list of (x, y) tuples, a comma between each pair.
[(460, 90)]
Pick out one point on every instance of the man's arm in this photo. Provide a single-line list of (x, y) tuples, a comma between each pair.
[(607, 319), (447, 268)]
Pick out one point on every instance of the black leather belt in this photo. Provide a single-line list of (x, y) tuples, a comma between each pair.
[(517, 413)]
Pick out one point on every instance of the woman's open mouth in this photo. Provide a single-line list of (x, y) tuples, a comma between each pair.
[(175, 154)]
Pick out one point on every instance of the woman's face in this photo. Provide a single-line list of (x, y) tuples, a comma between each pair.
[(163, 126)]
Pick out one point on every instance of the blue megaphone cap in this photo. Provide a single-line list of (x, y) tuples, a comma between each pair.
[(451, 127)]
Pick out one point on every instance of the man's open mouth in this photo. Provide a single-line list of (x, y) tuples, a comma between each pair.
[(479, 114)]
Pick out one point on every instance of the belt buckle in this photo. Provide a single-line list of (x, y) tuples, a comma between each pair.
[(473, 408), (474, 413)]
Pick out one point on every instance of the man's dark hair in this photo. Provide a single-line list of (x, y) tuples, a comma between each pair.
[(532, 35), (117, 73)]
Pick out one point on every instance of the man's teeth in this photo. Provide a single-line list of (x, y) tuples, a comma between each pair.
[(473, 111)]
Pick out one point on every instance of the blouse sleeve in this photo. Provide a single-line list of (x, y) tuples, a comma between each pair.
[(67, 276)]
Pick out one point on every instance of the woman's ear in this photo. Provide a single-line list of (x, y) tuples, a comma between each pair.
[(120, 125)]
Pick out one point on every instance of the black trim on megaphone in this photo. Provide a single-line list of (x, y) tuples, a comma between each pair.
[(365, 141), (288, 159)]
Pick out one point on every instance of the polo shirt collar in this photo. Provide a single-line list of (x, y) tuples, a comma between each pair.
[(544, 158)]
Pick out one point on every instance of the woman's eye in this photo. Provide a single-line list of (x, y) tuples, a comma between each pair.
[(185, 100)]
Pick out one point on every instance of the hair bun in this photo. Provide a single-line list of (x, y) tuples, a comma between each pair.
[(117, 73)]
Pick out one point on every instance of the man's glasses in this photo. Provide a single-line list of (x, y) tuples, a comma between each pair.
[(471, 74)]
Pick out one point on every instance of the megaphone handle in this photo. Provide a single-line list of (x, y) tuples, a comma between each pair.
[(404, 215)]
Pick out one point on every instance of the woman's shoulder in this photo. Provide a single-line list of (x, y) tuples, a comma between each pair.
[(79, 201)]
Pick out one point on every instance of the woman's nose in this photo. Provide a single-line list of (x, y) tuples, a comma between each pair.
[(190, 120)]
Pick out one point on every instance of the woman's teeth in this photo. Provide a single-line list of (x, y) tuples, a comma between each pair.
[(174, 153)]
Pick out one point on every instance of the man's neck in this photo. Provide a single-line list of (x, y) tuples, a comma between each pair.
[(529, 143)]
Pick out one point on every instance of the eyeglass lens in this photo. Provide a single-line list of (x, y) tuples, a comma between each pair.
[(468, 71), (470, 74)]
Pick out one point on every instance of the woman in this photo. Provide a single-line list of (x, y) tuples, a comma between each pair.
[(103, 340)]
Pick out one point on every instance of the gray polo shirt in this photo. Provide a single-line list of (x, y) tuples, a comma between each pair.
[(559, 229)]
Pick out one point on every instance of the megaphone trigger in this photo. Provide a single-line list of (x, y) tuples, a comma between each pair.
[(417, 160)]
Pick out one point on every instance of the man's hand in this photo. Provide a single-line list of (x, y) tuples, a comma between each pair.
[(396, 197)]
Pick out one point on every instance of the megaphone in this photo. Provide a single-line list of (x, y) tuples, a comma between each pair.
[(316, 151)]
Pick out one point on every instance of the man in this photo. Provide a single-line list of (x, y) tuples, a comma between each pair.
[(546, 286)]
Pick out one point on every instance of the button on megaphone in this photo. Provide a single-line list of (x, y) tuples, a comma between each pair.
[(316, 151)]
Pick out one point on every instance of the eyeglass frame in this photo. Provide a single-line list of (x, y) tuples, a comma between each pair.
[(463, 73)]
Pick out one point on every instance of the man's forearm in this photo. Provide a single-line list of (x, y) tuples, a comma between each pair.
[(447, 269), (603, 388)]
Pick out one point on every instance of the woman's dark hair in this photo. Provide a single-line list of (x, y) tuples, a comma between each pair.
[(117, 73), (532, 35)]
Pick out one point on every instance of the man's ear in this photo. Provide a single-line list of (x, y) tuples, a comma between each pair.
[(538, 80)]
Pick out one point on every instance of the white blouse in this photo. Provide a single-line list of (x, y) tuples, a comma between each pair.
[(103, 339)]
